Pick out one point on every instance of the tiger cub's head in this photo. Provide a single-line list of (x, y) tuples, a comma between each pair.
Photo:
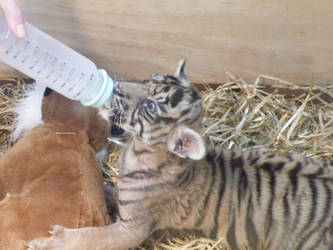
[(164, 112)]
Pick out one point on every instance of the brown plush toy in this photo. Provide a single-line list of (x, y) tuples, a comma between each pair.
[(51, 175)]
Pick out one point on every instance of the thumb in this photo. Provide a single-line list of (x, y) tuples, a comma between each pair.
[(14, 17)]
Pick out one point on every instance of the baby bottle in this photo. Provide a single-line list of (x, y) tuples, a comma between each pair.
[(55, 65)]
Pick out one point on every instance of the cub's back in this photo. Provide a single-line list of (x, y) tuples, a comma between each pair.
[(273, 201)]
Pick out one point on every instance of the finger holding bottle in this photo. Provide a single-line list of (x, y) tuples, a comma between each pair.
[(14, 17)]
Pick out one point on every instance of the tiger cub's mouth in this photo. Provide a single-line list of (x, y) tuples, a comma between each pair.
[(117, 116)]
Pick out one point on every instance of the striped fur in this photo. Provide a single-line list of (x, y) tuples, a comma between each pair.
[(256, 200)]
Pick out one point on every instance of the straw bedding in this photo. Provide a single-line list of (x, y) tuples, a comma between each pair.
[(268, 114), (10, 90)]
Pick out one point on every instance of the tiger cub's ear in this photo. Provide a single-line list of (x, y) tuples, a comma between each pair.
[(181, 72), (186, 142)]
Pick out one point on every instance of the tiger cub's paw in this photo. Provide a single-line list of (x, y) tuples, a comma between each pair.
[(56, 241)]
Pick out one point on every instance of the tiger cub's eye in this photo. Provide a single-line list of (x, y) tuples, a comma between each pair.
[(151, 106)]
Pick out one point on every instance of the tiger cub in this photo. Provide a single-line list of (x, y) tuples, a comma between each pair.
[(169, 179)]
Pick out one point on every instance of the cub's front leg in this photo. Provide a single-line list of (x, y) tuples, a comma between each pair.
[(120, 235)]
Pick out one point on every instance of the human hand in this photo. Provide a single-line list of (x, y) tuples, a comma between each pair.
[(14, 17)]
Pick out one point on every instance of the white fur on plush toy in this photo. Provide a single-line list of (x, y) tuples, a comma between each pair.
[(28, 112)]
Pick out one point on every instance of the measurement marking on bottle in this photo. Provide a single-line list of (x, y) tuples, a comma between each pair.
[(71, 88), (78, 94), (81, 76), (40, 71), (8, 50), (54, 61), (48, 76), (58, 77), (46, 56), (70, 75), (62, 66), (26, 45), (35, 50), (24, 59), (17, 54), (81, 91), (34, 64), (71, 72)]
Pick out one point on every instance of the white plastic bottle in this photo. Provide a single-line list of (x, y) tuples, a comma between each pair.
[(55, 65)]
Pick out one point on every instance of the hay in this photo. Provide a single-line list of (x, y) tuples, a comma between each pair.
[(261, 116), (10, 91), (269, 114)]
